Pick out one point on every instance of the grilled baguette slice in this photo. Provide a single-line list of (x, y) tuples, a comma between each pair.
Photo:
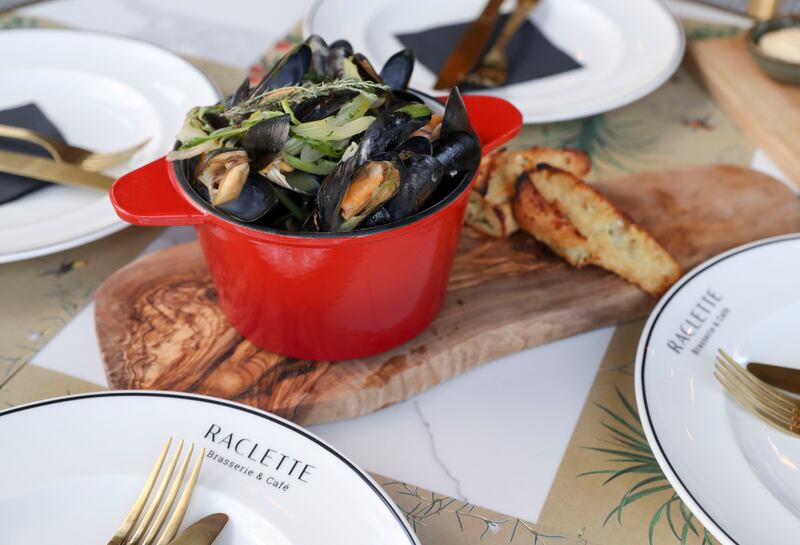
[(496, 178), (583, 227)]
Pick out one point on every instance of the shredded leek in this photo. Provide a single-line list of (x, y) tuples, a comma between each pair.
[(415, 109), (320, 167), (326, 130)]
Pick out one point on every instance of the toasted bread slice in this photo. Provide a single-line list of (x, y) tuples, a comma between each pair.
[(500, 187), (612, 241), (482, 217)]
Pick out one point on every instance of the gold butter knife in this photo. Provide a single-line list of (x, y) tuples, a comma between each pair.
[(46, 170), (469, 48), (784, 378), (202, 532)]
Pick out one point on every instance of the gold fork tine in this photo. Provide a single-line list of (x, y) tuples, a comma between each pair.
[(101, 161), (745, 398), (759, 384), (136, 509), (180, 510), (746, 386), (154, 503)]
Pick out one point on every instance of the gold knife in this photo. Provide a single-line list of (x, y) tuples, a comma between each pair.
[(202, 532), (469, 48), (784, 378), (39, 168)]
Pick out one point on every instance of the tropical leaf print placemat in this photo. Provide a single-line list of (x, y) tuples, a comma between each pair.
[(609, 487)]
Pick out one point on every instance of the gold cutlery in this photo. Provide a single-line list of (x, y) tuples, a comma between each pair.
[(62, 152), (758, 397), (493, 70), (148, 528), (202, 532), (784, 378), (469, 48), (39, 168)]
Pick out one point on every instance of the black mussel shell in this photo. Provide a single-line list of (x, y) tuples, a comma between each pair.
[(343, 45), (319, 56), (318, 108), (379, 217), (339, 51), (416, 145), (266, 139), (290, 70), (400, 97), (241, 93), (397, 71), (256, 199), (331, 193), (455, 114), (365, 68), (458, 152), (422, 174), (386, 132), (217, 121)]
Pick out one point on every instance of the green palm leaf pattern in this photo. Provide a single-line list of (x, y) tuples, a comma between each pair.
[(629, 454)]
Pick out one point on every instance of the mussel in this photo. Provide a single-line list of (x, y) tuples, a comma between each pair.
[(422, 174), (389, 129), (415, 145), (365, 68), (457, 152), (290, 70), (456, 117), (317, 108), (265, 140), (223, 173), (319, 67), (397, 71), (338, 52), (256, 198)]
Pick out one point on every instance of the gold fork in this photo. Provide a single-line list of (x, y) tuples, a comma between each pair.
[(758, 397), (64, 153), (150, 524), (493, 70)]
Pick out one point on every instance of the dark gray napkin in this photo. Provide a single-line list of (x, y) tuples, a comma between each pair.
[(530, 54), (28, 116)]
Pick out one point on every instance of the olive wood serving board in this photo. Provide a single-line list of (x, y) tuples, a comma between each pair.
[(766, 110), (159, 325)]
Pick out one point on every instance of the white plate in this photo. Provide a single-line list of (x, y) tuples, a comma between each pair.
[(104, 93), (77, 463), (627, 48), (737, 474)]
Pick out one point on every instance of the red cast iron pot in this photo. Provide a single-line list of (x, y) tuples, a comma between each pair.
[(322, 296)]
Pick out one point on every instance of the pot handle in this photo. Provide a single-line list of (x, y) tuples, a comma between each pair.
[(495, 120), (147, 196)]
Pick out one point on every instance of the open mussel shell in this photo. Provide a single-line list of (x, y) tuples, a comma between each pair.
[(265, 140), (338, 52), (241, 93), (457, 152), (388, 130), (317, 108), (331, 193), (319, 57), (365, 68), (301, 182), (456, 117), (416, 145), (372, 185), (290, 70), (421, 177), (255, 200), (397, 71)]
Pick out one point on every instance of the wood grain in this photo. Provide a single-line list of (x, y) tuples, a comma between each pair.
[(766, 110), (159, 326)]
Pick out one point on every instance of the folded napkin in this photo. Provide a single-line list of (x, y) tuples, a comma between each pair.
[(530, 54), (28, 116)]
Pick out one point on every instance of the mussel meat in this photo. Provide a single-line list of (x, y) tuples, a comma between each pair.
[(422, 174), (397, 71), (223, 172), (371, 186)]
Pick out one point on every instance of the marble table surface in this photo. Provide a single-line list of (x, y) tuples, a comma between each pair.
[(494, 436)]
